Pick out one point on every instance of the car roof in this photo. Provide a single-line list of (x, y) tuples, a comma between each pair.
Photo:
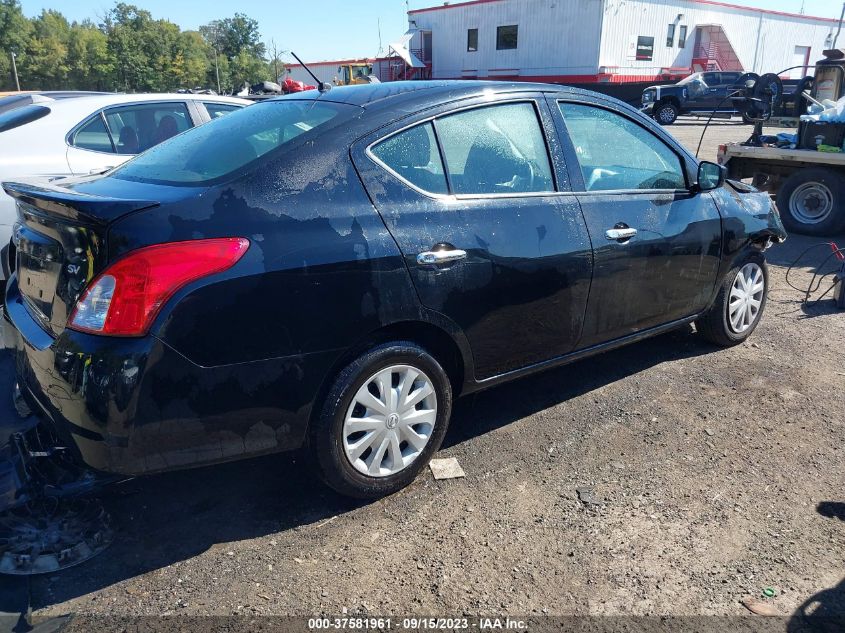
[(94, 102), (393, 93)]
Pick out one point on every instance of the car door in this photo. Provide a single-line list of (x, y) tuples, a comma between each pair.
[(490, 237), (656, 240), (113, 135), (712, 94)]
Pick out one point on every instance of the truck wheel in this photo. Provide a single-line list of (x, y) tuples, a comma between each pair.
[(666, 113), (812, 202)]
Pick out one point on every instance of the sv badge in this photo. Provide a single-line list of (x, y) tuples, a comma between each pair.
[(73, 269)]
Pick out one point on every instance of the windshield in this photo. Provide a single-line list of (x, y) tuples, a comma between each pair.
[(694, 78), (223, 146)]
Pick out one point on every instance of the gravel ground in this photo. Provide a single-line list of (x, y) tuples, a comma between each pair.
[(714, 474)]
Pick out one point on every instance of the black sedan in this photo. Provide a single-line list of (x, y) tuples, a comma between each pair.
[(333, 269)]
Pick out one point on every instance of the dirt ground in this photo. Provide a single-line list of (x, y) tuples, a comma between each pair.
[(715, 473)]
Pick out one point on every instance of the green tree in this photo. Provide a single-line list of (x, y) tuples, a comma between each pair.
[(126, 27), (236, 48), (91, 64), (15, 34), (45, 64)]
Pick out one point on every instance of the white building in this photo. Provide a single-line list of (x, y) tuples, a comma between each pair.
[(612, 41)]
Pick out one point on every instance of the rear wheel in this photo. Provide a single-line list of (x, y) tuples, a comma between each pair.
[(812, 201), (739, 305), (666, 113), (384, 417)]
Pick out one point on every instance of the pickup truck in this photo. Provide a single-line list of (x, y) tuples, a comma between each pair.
[(702, 94)]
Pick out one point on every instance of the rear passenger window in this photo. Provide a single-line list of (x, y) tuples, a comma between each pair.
[(617, 154), (93, 136), (413, 156), (496, 149), (136, 128)]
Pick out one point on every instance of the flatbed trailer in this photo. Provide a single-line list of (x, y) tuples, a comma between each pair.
[(808, 185)]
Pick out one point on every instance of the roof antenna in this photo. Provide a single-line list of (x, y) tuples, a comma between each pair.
[(322, 86)]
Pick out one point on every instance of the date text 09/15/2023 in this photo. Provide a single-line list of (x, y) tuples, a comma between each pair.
[(417, 624)]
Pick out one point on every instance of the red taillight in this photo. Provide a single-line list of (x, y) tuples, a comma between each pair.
[(126, 297)]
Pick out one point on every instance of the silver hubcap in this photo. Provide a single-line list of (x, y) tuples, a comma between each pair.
[(746, 298), (811, 203), (390, 421), (666, 115)]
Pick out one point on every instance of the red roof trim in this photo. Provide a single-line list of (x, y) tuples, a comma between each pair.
[(712, 2), (766, 11), (450, 6)]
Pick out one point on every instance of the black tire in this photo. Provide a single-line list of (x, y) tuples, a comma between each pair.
[(714, 325), (824, 188), (326, 436), (800, 107), (666, 113)]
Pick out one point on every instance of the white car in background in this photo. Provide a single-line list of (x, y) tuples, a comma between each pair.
[(90, 134)]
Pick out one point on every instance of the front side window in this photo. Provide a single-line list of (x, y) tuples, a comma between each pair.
[(219, 109), (136, 128), (226, 144), (497, 149), (472, 40), (506, 37), (670, 36), (682, 36), (617, 154), (93, 136), (413, 156)]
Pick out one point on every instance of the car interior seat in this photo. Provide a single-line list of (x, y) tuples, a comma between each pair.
[(127, 143), (167, 128)]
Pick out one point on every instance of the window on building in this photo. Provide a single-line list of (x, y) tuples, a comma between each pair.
[(645, 48), (496, 149), (682, 36), (670, 36), (617, 154), (506, 37), (472, 40)]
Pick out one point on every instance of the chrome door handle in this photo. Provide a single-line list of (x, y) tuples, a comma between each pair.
[(620, 234), (441, 257)]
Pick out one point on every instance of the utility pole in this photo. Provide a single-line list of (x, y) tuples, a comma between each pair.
[(841, 17), (15, 71)]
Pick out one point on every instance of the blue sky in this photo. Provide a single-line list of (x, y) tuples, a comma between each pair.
[(326, 29)]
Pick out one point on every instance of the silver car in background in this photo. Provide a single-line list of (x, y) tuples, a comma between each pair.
[(85, 135)]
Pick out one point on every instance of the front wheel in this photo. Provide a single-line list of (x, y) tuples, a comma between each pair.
[(812, 201), (739, 305), (382, 420), (666, 113)]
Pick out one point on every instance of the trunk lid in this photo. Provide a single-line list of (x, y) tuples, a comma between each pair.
[(59, 244)]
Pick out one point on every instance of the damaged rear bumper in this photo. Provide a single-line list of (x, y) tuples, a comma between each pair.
[(133, 406)]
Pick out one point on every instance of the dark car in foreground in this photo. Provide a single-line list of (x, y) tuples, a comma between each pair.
[(333, 269)]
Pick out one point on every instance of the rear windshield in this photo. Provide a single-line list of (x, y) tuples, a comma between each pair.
[(11, 119), (223, 146)]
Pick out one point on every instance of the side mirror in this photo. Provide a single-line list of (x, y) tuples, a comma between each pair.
[(710, 176)]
